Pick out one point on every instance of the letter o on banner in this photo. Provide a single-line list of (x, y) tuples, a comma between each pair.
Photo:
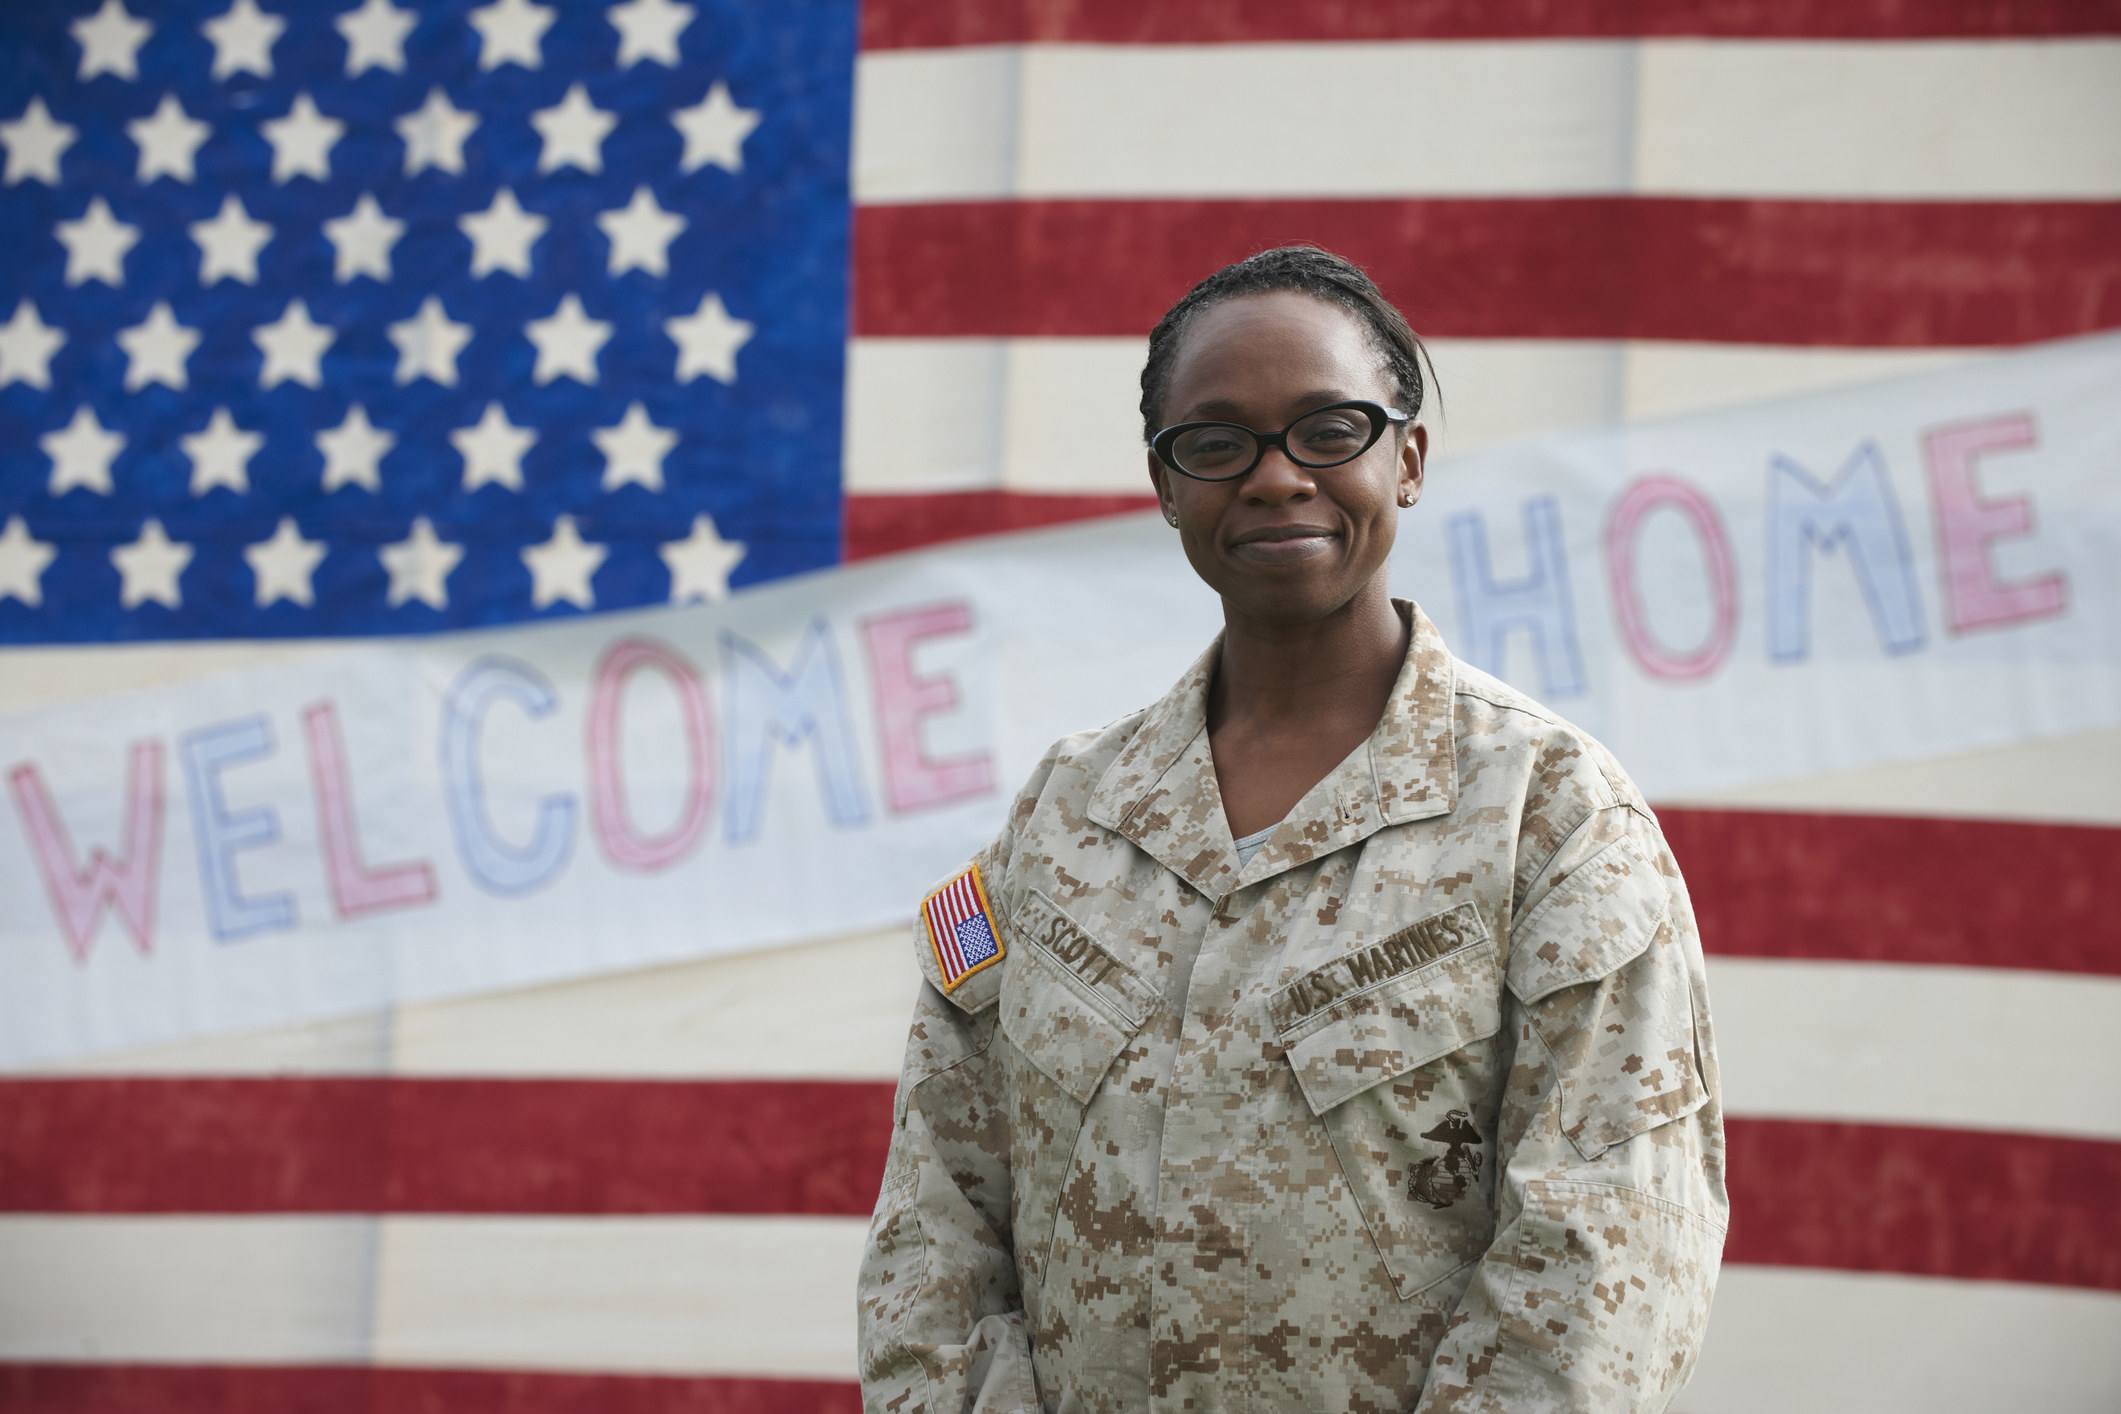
[(607, 786), (1643, 496)]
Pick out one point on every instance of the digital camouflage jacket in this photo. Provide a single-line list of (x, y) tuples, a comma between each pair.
[(1419, 1110)]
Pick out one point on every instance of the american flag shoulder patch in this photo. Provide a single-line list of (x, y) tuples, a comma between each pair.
[(961, 928)]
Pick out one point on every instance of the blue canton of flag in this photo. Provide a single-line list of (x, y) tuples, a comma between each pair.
[(375, 319), (975, 941)]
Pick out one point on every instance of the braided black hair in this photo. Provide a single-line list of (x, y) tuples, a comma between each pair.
[(1306, 270)]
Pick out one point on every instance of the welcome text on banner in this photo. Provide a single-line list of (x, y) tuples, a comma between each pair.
[(1909, 569)]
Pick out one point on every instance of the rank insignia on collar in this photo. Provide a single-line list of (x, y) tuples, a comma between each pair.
[(961, 928)]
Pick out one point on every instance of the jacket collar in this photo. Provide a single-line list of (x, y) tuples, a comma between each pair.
[(1160, 792)]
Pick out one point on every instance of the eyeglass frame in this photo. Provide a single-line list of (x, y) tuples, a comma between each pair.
[(1379, 415)]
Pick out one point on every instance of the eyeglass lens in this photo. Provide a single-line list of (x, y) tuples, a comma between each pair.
[(1325, 438)]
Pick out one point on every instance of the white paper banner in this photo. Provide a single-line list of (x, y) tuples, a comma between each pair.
[(1911, 569)]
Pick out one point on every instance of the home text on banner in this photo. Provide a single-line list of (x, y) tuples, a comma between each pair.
[(1905, 570)]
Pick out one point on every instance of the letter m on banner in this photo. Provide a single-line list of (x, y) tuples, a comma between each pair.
[(1857, 513), (806, 703)]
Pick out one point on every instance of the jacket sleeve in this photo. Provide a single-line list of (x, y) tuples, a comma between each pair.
[(940, 1316), (941, 1319), (1610, 1204)]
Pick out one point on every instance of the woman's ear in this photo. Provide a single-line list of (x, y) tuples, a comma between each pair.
[(1159, 477), (1413, 464)]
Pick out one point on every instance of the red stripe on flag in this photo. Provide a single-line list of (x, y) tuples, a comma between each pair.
[(366, 1145), (901, 24), (944, 913), (1857, 274), (2006, 1207), (1872, 888), (1927, 1202), (886, 524), (339, 1389)]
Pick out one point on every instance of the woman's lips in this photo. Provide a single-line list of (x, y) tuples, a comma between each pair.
[(1280, 547)]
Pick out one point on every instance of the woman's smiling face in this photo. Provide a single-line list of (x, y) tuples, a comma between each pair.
[(1285, 544)]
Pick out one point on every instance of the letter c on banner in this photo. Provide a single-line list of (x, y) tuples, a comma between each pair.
[(607, 785), (496, 865), (1652, 493)]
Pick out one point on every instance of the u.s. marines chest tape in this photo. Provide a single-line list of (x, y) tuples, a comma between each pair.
[(1360, 969)]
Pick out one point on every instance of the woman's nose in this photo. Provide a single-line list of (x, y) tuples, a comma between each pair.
[(1277, 479)]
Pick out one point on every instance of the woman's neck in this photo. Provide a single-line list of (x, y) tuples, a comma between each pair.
[(1293, 675)]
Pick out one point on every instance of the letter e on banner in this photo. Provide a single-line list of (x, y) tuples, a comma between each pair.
[(607, 782), (1967, 522), (1646, 496), (912, 781), (220, 834), (126, 883)]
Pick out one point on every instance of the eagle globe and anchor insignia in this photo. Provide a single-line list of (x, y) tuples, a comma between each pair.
[(1442, 1180)]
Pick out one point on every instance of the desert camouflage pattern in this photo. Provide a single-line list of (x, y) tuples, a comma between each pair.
[(1417, 1111)]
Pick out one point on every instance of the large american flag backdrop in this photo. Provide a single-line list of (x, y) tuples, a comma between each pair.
[(327, 319)]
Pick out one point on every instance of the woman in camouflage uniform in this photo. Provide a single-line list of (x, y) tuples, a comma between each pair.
[(1331, 1035)]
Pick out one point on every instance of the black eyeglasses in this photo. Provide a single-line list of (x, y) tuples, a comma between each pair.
[(1226, 451)]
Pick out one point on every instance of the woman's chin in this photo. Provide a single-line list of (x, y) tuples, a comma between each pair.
[(1291, 602)]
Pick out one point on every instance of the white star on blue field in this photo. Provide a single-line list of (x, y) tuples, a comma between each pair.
[(387, 317)]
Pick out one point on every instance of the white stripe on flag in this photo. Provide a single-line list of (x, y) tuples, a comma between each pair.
[(1822, 1040), (693, 1295), (1929, 119), (946, 910), (774, 1296), (720, 1295), (1057, 415), (949, 910), (1790, 1338), (1889, 1043), (2074, 779), (180, 1290)]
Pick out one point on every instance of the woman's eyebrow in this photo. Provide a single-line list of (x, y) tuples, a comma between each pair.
[(1224, 408)]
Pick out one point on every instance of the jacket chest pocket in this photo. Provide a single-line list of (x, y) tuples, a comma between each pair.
[(1069, 1008), (1394, 1073)]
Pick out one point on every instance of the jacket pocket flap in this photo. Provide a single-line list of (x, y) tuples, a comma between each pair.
[(1368, 1037), (1597, 920), (1626, 1049), (1069, 1005), (1091, 968)]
